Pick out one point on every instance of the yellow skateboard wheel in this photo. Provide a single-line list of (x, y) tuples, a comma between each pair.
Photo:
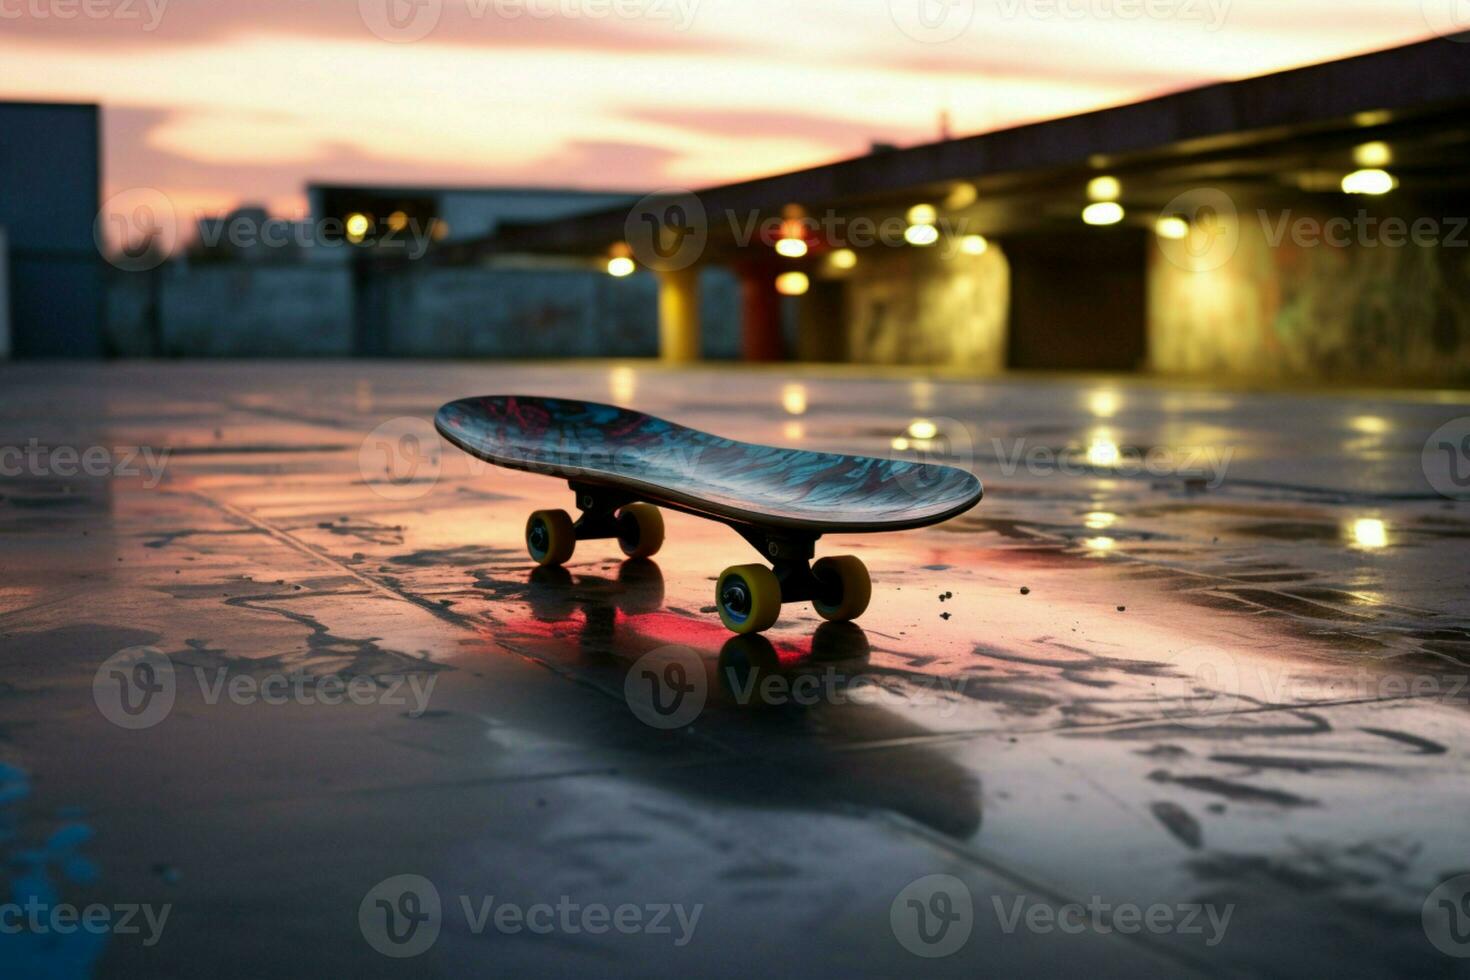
[(845, 579), (550, 537), (640, 530), (748, 598)]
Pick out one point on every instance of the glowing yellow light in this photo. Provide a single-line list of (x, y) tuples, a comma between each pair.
[(1375, 154), (1369, 182), (1099, 520), (923, 429), (1103, 403), (974, 245), (1103, 452), (1370, 532), (921, 235), (922, 214), (792, 283), (843, 258), (1172, 227), (620, 265), (793, 399), (1370, 425), (962, 195), (1103, 213), (792, 248), (793, 431), (1099, 545), (1104, 189), (899, 444), (622, 382), (397, 221), (358, 225)]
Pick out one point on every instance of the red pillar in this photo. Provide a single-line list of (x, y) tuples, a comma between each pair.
[(760, 313)]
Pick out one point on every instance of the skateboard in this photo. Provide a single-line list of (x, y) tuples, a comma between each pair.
[(623, 466)]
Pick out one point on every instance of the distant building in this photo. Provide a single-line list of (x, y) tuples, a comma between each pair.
[(443, 214), (51, 272), (251, 234), (375, 271)]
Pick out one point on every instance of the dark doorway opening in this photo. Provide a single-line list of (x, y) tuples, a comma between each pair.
[(1078, 300)]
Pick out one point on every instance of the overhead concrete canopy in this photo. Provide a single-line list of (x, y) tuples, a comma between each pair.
[(1271, 138)]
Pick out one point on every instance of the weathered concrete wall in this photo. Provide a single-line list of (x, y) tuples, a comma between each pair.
[(257, 311), (489, 313), (305, 310), (4, 294), (243, 310), (929, 306), (545, 313), (1297, 299)]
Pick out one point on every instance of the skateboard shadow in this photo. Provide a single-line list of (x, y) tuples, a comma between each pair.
[(809, 723)]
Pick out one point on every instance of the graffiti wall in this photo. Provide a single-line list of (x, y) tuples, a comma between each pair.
[(1358, 296), (934, 305)]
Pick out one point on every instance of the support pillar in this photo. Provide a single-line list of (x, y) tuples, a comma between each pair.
[(760, 313), (678, 315)]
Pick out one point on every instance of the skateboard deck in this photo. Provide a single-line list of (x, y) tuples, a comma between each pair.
[(663, 462), (623, 465)]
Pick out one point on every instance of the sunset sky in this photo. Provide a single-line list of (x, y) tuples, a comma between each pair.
[(219, 102)]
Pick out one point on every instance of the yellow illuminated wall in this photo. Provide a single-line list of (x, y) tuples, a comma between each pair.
[(936, 305), (1285, 302)]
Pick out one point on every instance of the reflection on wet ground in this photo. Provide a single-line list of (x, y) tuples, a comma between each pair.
[(1195, 649)]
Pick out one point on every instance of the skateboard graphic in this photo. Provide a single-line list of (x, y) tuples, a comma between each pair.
[(623, 465)]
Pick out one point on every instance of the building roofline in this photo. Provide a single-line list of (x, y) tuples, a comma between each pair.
[(527, 191), (1424, 74), (45, 104)]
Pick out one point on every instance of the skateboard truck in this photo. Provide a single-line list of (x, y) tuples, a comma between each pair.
[(748, 597)]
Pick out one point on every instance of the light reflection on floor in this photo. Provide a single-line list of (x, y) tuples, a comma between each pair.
[(1193, 647)]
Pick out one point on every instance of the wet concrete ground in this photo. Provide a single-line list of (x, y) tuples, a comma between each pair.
[(1185, 694)]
